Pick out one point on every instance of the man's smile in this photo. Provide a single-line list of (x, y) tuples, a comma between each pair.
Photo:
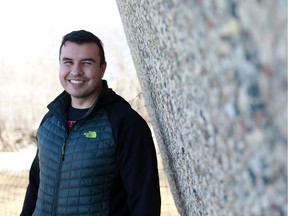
[(76, 81)]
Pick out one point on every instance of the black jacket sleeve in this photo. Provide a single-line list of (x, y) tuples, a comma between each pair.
[(138, 168), (32, 189)]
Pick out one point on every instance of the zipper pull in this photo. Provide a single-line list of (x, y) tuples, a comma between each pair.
[(63, 151)]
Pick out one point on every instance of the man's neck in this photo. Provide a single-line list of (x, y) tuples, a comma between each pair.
[(80, 103)]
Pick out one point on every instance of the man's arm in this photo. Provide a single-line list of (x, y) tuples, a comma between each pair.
[(32, 189), (138, 169)]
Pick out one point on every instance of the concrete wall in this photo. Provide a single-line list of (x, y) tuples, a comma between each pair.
[(214, 76)]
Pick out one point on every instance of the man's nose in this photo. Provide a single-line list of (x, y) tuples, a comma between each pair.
[(77, 70)]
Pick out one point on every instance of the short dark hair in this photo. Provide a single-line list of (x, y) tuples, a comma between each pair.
[(82, 36)]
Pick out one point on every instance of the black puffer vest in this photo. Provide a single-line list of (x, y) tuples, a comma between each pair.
[(77, 168)]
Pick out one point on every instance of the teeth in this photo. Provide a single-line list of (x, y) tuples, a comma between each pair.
[(76, 81)]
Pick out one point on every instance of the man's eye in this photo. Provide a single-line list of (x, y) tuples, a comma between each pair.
[(87, 62), (67, 62)]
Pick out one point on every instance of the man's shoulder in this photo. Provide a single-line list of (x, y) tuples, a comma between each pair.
[(46, 116)]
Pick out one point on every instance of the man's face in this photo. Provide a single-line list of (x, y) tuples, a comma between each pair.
[(80, 72)]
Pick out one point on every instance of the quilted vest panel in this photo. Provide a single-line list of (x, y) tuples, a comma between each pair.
[(80, 182)]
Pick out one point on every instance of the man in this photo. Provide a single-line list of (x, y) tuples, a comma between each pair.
[(95, 154)]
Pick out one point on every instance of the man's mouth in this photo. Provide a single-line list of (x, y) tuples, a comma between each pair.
[(76, 81)]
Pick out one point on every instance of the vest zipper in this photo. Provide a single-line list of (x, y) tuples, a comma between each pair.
[(64, 143), (63, 149), (59, 176), (60, 169)]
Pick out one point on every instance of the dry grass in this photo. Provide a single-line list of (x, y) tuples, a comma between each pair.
[(12, 187)]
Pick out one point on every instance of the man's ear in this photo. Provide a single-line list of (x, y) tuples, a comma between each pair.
[(103, 69)]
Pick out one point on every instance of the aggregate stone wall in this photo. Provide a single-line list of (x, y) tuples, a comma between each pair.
[(214, 76)]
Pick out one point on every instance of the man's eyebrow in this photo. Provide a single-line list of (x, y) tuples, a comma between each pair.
[(66, 59)]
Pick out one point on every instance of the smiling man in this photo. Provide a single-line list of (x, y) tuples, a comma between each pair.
[(95, 154)]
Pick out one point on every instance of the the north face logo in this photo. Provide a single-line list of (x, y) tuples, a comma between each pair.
[(90, 134)]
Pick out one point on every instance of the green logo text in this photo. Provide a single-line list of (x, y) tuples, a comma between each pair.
[(90, 134)]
